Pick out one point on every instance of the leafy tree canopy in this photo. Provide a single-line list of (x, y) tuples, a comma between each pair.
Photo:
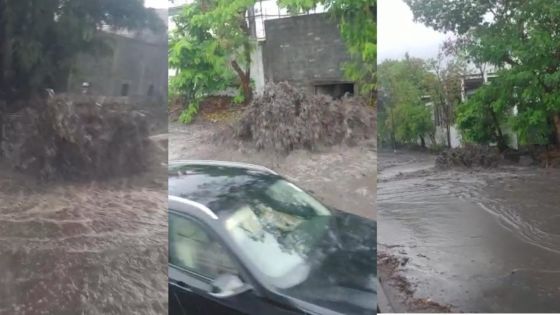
[(403, 115), (209, 48), (200, 61)]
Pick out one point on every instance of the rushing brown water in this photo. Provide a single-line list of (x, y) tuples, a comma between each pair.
[(83, 248), (479, 241), (342, 177)]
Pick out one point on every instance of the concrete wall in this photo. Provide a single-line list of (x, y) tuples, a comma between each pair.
[(132, 62), (257, 67), (441, 136), (304, 50), (138, 59)]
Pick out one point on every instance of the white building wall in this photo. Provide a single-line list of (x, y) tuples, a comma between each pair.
[(257, 67), (441, 136)]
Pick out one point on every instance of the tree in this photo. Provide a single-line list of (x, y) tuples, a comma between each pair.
[(227, 29), (210, 46), (521, 39), (40, 39), (227, 19), (445, 89), (200, 61), (403, 114), (357, 23), (482, 116)]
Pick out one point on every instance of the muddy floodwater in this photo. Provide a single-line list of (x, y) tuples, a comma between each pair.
[(83, 248), (469, 240), (342, 177)]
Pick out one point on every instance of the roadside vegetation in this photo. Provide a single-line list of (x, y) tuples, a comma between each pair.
[(414, 95)]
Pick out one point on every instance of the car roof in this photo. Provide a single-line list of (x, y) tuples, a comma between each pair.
[(205, 188), (217, 163)]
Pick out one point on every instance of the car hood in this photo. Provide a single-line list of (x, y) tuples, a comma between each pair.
[(343, 268)]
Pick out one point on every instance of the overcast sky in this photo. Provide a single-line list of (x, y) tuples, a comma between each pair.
[(397, 33), (156, 3)]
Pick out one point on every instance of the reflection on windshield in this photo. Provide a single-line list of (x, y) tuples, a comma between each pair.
[(277, 228)]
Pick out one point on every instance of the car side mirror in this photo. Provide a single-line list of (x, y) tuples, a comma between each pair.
[(228, 285)]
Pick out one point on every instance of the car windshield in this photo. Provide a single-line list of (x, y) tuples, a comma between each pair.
[(276, 228), (274, 223)]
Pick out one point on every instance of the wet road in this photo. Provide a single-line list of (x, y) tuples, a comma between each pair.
[(343, 177), (477, 241), (83, 248)]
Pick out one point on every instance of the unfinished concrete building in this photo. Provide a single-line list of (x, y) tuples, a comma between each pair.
[(306, 51), (134, 69)]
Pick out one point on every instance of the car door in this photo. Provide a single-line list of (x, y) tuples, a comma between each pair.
[(175, 306), (196, 258)]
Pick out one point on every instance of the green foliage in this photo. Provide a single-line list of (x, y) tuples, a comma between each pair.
[(519, 38), (412, 121), (358, 28), (200, 62), (40, 39), (190, 111), (475, 117), (533, 126), (209, 48), (403, 116), (239, 98)]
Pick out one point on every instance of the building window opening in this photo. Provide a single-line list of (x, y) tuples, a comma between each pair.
[(336, 90), (124, 89)]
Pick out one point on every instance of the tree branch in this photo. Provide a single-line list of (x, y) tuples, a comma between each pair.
[(238, 69)]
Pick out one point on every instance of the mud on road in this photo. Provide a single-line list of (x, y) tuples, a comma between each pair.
[(468, 240), (84, 248), (341, 176)]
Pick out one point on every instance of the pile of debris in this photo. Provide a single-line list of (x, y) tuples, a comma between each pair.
[(75, 137), (285, 118), (469, 156)]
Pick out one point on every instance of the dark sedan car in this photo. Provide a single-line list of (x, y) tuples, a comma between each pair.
[(244, 240)]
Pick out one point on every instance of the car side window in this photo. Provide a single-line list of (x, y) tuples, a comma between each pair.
[(191, 247)]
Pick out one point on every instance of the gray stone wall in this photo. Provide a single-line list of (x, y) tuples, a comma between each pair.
[(304, 50), (139, 64), (136, 59)]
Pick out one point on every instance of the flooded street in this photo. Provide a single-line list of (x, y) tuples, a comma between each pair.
[(342, 177), (83, 248), (468, 241)]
